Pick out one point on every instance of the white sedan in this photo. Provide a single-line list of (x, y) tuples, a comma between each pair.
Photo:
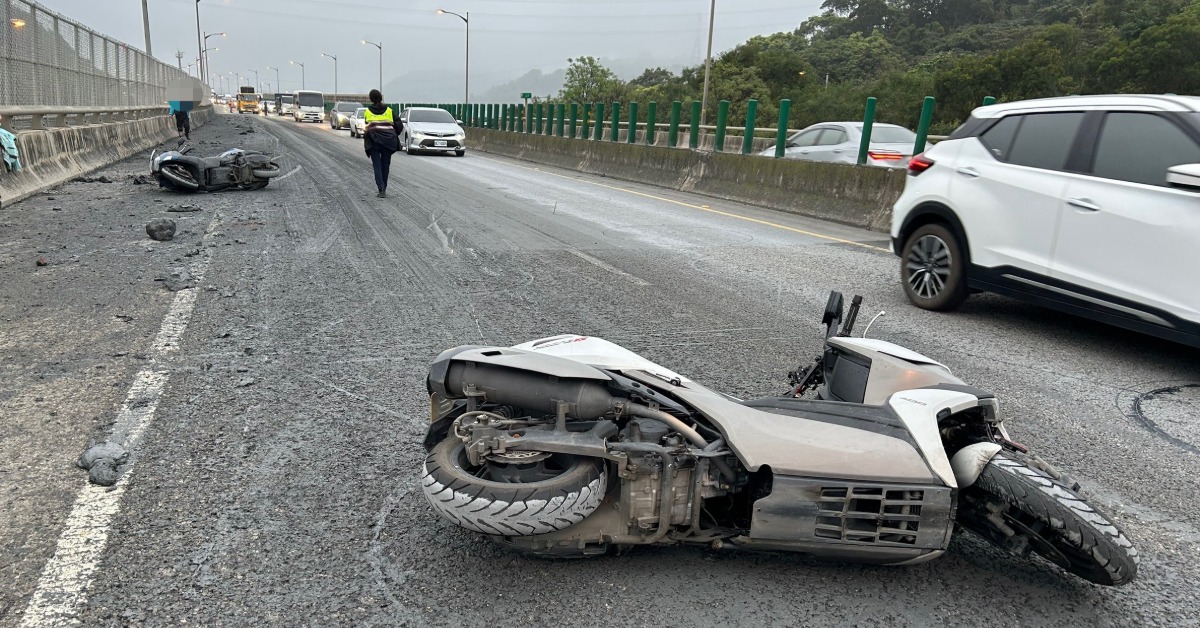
[(838, 142), (358, 122)]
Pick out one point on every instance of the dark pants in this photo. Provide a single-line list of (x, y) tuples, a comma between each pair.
[(381, 159), (183, 124)]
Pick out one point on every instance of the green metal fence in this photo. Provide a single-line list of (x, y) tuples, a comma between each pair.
[(604, 122)]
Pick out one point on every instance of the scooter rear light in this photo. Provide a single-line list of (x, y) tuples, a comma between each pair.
[(918, 164)]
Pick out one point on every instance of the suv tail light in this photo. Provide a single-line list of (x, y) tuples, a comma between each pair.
[(918, 164)]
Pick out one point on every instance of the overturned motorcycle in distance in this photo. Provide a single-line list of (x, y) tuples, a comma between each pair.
[(574, 446), (232, 169)]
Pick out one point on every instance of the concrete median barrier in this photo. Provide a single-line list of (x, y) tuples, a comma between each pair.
[(858, 196), (52, 156)]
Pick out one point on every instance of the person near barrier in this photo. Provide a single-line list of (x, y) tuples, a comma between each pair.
[(381, 138), (8, 150), (183, 123)]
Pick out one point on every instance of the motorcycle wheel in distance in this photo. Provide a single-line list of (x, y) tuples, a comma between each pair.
[(180, 177), (1044, 516), (523, 494)]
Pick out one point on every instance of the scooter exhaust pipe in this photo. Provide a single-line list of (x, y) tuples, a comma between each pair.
[(585, 399)]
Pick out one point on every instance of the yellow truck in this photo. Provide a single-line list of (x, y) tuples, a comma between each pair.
[(247, 100)]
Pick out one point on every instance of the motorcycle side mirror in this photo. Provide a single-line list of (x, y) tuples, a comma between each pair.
[(833, 311)]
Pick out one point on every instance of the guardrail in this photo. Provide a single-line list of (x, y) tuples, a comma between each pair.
[(35, 118)]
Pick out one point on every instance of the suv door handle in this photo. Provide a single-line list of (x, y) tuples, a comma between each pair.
[(1083, 203), (968, 171)]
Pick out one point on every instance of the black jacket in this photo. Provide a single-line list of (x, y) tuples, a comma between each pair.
[(386, 138)]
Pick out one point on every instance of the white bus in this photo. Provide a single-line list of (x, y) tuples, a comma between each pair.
[(310, 106)]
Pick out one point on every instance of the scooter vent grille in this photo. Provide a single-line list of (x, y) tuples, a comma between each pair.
[(869, 514)]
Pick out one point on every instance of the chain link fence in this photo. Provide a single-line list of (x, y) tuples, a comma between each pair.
[(49, 60)]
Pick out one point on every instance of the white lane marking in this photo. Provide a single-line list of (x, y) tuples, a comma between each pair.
[(609, 267), (65, 580)]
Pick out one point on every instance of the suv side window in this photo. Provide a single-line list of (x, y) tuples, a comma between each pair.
[(1139, 147), (998, 139), (1044, 140)]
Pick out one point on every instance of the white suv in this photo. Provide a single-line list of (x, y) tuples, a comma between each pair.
[(1086, 204)]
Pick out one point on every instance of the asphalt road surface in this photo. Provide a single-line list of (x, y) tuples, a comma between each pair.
[(275, 408)]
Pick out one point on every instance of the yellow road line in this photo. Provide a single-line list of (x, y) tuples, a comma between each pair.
[(703, 208)]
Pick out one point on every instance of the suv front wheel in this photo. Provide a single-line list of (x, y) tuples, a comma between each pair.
[(933, 268)]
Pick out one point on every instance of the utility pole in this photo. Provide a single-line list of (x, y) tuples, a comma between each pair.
[(712, 13), (146, 25), (179, 56)]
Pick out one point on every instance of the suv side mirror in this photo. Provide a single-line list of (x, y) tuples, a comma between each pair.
[(1186, 176), (458, 121)]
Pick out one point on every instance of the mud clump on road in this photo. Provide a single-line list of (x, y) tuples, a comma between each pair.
[(162, 230), (102, 462), (178, 279)]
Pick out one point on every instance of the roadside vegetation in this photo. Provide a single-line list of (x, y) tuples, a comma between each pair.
[(959, 51)]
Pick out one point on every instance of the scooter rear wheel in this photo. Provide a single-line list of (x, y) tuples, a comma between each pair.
[(528, 496), (267, 172), (180, 177)]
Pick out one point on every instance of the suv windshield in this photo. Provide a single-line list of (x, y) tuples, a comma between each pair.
[(347, 106), (311, 100), (431, 115)]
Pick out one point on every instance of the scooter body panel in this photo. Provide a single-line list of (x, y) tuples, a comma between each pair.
[(869, 371)]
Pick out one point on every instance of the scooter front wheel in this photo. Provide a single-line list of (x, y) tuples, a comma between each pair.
[(1023, 509), (519, 494)]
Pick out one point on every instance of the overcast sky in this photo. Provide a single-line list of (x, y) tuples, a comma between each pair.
[(508, 37)]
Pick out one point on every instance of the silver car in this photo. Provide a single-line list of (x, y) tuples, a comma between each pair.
[(427, 129), (339, 116), (838, 142), (358, 122)]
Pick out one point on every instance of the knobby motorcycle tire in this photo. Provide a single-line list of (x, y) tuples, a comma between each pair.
[(1093, 547), (511, 509), (180, 178), (267, 172)]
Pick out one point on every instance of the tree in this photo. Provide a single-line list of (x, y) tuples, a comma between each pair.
[(1163, 58), (653, 77), (855, 58), (587, 80)]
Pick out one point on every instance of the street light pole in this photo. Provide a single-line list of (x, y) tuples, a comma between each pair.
[(206, 48), (278, 84), (146, 25), (200, 47), (467, 73), (380, 47), (335, 86), (712, 14), (302, 85), (257, 85)]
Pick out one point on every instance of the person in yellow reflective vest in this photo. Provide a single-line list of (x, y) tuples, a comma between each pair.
[(381, 138)]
